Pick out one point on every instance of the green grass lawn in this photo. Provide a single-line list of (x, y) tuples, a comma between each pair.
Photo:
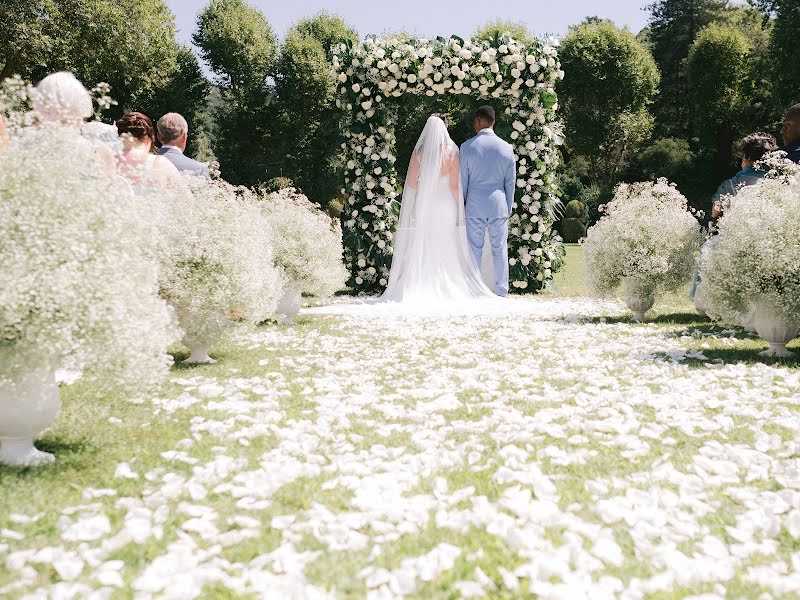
[(561, 450)]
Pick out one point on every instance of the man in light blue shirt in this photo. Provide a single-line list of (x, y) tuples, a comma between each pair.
[(488, 180)]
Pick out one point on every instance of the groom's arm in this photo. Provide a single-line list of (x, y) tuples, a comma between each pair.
[(511, 182)]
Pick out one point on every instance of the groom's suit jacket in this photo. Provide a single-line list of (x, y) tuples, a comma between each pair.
[(488, 176)]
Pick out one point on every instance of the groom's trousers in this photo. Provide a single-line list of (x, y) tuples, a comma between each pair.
[(498, 236)]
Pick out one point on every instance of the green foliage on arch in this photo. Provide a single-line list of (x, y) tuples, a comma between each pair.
[(373, 78)]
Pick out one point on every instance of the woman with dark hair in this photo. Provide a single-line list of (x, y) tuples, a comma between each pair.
[(145, 171)]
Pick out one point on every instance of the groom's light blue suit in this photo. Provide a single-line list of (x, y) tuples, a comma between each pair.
[(488, 180)]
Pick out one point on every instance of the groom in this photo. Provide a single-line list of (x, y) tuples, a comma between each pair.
[(488, 179)]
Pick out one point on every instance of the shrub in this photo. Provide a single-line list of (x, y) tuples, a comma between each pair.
[(576, 209), (756, 255), (670, 158), (646, 234), (276, 184), (308, 243), (572, 230), (76, 288)]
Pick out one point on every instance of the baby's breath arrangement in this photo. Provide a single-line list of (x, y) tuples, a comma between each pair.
[(757, 254), (647, 237), (307, 242), (217, 261), (75, 287)]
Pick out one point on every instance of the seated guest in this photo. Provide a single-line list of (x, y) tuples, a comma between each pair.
[(146, 172), (754, 147), (4, 137), (791, 134), (173, 131), (61, 100)]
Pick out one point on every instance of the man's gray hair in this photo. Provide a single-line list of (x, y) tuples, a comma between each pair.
[(171, 126)]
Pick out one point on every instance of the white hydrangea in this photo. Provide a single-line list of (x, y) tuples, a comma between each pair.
[(77, 286), (647, 235), (307, 243)]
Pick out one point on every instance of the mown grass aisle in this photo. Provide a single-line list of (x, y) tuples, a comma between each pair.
[(563, 452)]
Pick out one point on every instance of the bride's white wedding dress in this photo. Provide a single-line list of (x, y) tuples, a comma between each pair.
[(432, 265), (433, 271)]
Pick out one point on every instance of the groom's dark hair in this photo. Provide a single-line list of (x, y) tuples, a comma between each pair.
[(486, 114)]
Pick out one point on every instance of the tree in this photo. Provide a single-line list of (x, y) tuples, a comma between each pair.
[(784, 52), (494, 29), (129, 44), (239, 45), (309, 119), (23, 35), (717, 69), (674, 26), (610, 81)]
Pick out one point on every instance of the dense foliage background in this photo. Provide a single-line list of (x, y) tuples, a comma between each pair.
[(671, 101)]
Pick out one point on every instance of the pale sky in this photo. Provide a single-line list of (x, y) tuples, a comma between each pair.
[(433, 17)]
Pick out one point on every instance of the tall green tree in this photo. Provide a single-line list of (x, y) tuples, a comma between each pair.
[(129, 44), (784, 50), (718, 75), (494, 29), (238, 44), (674, 26), (610, 82), (309, 119)]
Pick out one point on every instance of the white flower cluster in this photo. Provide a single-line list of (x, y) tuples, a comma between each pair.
[(519, 77), (756, 255), (217, 266), (76, 287), (647, 235), (307, 243)]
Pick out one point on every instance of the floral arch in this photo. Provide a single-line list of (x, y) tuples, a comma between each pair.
[(518, 79)]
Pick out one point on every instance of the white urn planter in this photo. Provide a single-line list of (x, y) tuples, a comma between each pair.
[(774, 328), (28, 406), (199, 354), (700, 301), (639, 298), (289, 305)]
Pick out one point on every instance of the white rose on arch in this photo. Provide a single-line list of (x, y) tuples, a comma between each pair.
[(450, 67)]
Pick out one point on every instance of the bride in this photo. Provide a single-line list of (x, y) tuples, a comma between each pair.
[(432, 261)]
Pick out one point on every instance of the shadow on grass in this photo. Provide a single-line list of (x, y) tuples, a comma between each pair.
[(70, 453), (662, 319), (745, 356)]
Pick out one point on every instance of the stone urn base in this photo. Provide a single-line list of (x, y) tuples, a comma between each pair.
[(199, 356), (28, 406), (639, 299), (289, 305), (773, 327)]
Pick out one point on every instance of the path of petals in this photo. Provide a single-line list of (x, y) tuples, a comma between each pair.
[(550, 451)]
